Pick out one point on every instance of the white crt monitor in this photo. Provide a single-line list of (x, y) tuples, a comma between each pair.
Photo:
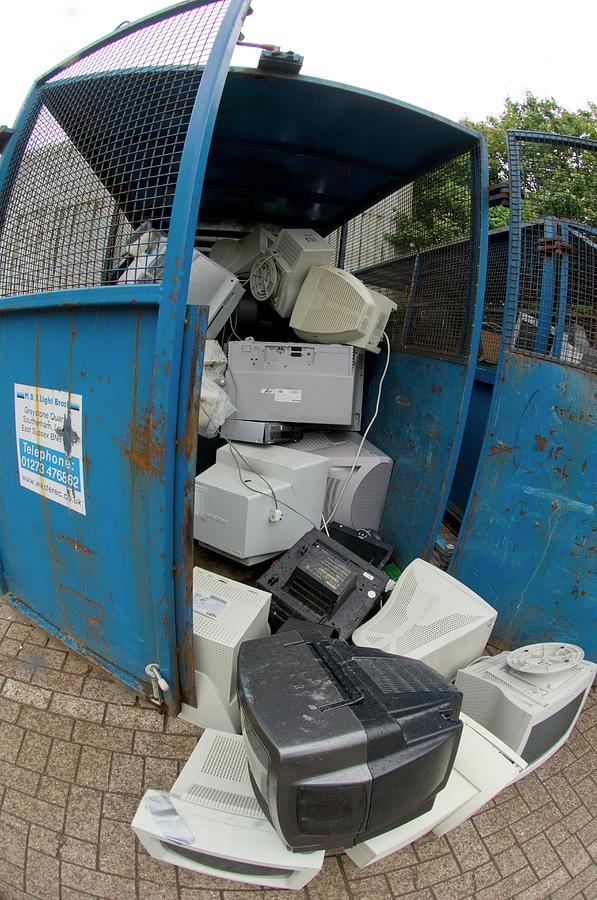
[(235, 511), (334, 306), (215, 825), (432, 617), (225, 613), (277, 276), (238, 256), (362, 502), (529, 698), (483, 767)]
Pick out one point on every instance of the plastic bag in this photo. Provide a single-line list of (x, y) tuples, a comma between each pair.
[(214, 407)]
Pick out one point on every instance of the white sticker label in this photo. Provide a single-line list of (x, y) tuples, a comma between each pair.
[(281, 395), (49, 433), (208, 605)]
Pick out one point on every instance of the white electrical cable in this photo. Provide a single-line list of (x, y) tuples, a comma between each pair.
[(327, 521)]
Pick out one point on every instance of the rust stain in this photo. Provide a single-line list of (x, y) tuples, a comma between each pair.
[(500, 448), (584, 467), (81, 596), (145, 451), (540, 442), (436, 388), (562, 471), (554, 506), (80, 548)]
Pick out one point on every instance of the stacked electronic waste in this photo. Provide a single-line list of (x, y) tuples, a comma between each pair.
[(369, 717)]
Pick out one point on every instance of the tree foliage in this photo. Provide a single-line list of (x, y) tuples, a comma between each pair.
[(555, 181)]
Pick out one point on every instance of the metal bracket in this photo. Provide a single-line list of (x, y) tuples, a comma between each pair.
[(499, 194), (159, 685), (551, 246)]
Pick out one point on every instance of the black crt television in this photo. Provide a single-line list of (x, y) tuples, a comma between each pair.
[(343, 743)]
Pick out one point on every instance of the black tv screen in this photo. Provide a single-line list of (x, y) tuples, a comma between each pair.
[(343, 743)]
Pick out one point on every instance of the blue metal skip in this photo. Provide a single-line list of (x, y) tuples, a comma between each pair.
[(115, 582), (529, 540)]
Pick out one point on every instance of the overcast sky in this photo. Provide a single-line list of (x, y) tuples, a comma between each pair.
[(454, 58)]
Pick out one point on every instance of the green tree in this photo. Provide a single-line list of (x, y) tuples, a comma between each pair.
[(555, 181)]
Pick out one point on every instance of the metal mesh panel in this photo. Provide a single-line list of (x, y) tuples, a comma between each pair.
[(552, 303), (415, 247), (100, 155), (496, 281)]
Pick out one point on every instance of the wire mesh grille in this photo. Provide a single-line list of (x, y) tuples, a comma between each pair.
[(99, 157), (415, 247), (552, 308)]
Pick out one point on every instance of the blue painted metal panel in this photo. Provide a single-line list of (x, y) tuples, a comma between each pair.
[(108, 581), (529, 542), (423, 402), (472, 441), (426, 398)]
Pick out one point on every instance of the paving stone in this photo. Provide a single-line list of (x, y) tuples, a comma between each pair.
[(10, 647), (541, 855), (117, 848), (536, 822), (372, 888), (430, 846), (497, 818), (568, 825), (42, 877), (76, 665), (78, 707), (564, 757), (53, 790), (42, 656), (486, 875), (102, 736), (562, 793), (46, 723), (401, 882), (186, 894), (99, 884), (578, 744), (63, 759), (508, 887), (510, 860), (126, 717), (11, 875), (573, 855), (9, 711), (94, 768), (533, 791), (456, 888), (586, 879), (149, 890), (17, 669), (57, 681), (126, 775), (174, 725), (150, 869), (82, 853), (467, 846), (107, 691), (28, 633), (83, 813), (579, 769), (119, 807), (20, 779), (435, 871), (13, 839), (172, 746), (546, 886), (34, 751), (11, 738), (33, 810), (160, 774), (43, 839), (588, 833)]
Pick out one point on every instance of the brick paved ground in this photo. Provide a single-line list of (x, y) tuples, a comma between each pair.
[(77, 752)]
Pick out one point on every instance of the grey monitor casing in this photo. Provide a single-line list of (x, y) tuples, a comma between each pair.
[(311, 384), (362, 502), (260, 432)]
